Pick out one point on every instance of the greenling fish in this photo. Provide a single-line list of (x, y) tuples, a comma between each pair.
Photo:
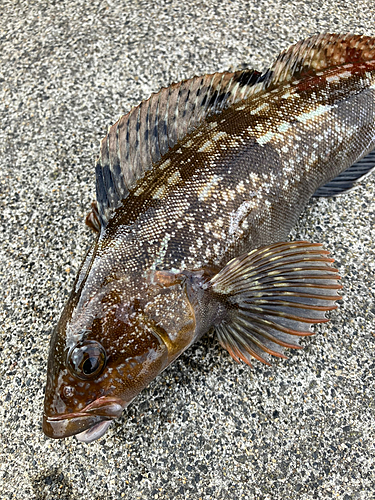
[(197, 190)]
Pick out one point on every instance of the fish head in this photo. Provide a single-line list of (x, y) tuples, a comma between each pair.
[(108, 346)]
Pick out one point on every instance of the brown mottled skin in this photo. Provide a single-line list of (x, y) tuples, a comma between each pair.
[(237, 182)]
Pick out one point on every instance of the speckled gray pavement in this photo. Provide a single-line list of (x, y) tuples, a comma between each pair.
[(207, 428)]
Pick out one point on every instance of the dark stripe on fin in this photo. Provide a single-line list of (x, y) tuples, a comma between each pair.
[(141, 138), (349, 179), (272, 295)]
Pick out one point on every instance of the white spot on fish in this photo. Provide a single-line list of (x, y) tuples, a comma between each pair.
[(139, 191), (159, 193), (238, 215), (286, 95), (206, 146), (310, 115), (175, 178), (345, 74), (218, 136), (265, 105), (162, 251), (263, 139), (333, 78), (283, 127), (165, 164), (207, 227), (206, 190), (240, 188), (254, 178)]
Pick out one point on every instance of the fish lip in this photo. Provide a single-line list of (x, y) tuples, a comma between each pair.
[(103, 407), (69, 424)]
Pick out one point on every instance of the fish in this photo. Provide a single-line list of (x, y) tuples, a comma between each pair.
[(197, 190)]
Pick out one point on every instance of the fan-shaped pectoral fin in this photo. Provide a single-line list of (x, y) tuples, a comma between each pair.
[(272, 296)]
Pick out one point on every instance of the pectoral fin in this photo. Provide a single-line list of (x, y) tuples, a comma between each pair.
[(272, 295)]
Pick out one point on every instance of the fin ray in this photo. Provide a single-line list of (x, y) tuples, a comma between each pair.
[(268, 306), (349, 179), (316, 53), (141, 138)]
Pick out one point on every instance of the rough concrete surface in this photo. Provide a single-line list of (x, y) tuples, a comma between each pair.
[(207, 428)]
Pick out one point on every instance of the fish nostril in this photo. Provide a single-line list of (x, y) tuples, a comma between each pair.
[(68, 391)]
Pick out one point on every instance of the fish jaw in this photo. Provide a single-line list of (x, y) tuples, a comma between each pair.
[(85, 406), (88, 424)]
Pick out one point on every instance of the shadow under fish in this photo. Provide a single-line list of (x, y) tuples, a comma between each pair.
[(197, 190)]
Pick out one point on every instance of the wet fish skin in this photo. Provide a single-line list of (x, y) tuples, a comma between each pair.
[(232, 185)]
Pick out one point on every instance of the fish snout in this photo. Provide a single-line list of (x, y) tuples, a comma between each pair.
[(88, 424)]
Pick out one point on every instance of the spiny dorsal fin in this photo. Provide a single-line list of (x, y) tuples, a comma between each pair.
[(316, 54), (140, 138)]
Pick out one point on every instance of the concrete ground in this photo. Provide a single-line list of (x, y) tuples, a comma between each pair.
[(207, 428)]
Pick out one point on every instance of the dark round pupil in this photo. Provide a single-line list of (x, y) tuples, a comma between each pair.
[(87, 359), (90, 365)]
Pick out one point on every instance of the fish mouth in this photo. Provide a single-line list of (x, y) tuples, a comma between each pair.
[(88, 424)]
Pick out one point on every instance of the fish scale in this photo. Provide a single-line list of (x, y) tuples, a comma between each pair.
[(198, 188), (242, 156)]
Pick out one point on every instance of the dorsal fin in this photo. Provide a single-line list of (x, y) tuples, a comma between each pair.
[(140, 138), (316, 54)]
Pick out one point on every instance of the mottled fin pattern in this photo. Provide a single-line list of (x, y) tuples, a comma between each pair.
[(140, 138), (348, 180), (272, 296), (316, 54)]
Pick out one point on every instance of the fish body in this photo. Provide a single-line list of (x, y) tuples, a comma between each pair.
[(197, 191)]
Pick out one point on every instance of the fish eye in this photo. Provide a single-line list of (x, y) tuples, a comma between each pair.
[(87, 359)]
